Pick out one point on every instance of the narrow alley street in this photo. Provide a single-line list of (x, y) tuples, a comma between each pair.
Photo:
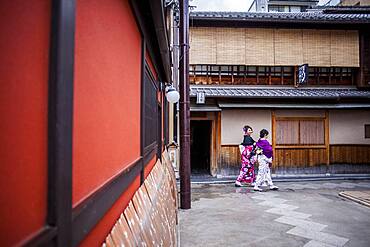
[(299, 214), (137, 123)]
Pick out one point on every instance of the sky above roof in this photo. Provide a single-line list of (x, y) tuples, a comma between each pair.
[(226, 5)]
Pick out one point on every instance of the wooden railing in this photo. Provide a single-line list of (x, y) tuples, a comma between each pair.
[(267, 75)]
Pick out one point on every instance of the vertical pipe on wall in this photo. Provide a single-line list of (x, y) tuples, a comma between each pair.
[(185, 193)]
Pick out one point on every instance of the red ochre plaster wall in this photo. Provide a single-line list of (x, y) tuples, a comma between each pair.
[(24, 61), (106, 129)]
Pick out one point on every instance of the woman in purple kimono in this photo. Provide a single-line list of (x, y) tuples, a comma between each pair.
[(264, 157), (246, 174)]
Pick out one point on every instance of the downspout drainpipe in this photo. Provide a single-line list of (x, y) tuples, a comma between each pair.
[(185, 193)]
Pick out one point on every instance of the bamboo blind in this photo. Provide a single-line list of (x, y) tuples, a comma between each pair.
[(230, 46), (259, 46), (269, 47), (202, 46), (316, 45), (288, 47), (344, 48)]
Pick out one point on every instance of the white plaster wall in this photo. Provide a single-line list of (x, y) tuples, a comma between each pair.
[(233, 121), (347, 126)]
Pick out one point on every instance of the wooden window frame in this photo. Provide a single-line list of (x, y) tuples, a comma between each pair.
[(326, 135), (290, 146), (367, 131), (150, 99)]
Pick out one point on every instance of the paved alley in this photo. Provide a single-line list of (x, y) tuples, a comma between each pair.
[(299, 214)]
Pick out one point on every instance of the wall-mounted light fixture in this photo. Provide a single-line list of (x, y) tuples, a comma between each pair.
[(172, 95)]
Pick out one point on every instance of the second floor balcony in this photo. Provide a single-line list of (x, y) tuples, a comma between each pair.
[(206, 74)]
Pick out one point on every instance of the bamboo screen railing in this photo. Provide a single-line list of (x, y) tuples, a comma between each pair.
[(274, 47), (150, 219)]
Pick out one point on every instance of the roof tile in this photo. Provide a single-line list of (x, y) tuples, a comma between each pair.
[(271, 16), (221, 91)]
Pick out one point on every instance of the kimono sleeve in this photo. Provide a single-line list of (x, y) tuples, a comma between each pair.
[(241, 148)]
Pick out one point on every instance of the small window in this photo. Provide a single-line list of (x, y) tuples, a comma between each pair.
[(240, 71), (311, 71), (276, 71), (262, 71), (224, 68), (251, 70), (324, 71), (288, 71), (198, 68), (192, 70), (277, 8), (300, 132), (215, 70), (150, 115), (347, 72), (367, 130)]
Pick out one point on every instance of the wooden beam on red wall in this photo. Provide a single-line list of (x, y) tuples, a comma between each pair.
[(61, 120), (58, 230), (142, 116), (93, 209)]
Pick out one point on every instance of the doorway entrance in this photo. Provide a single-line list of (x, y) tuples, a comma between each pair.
[(200, 146)]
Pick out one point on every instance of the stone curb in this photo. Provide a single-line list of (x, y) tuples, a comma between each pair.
[(349, 195)]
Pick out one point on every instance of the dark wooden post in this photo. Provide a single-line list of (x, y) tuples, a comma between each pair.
[(60, 122), (295, 76), (363, 75), (185, 193)]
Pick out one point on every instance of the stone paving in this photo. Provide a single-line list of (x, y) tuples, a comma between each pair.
[(299, 214)]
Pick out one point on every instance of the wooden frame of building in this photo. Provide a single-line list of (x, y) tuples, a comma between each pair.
[(245, 65)]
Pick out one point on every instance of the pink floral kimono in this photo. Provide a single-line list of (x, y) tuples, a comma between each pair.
[(246, 174)]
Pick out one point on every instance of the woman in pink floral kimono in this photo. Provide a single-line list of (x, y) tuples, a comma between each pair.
[(246, 174)]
